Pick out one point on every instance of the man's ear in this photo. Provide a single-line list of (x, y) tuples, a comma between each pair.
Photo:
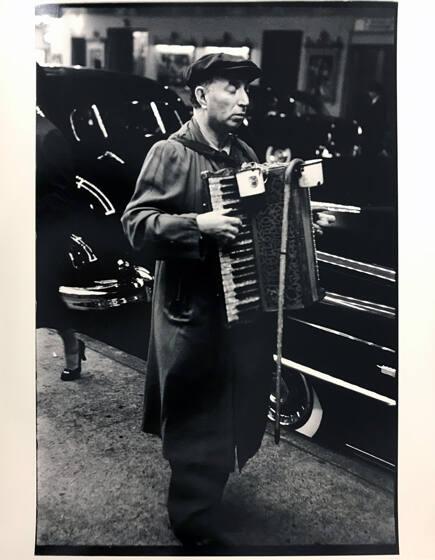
[(200, 94)]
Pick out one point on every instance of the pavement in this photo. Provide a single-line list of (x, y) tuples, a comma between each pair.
[(101, 482)]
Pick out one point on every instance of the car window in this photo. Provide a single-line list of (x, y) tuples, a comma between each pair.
[(149, 117), (88, 125), (96, 122)]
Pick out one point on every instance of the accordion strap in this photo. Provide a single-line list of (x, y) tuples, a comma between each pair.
[(208, 151)]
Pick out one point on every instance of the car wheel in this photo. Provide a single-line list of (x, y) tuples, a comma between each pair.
[(300, 406), (275, 154)]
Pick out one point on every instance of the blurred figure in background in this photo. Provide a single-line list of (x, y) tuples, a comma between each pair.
[(54, 218), (372, 115)]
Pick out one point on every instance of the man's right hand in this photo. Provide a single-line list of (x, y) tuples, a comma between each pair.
[(218, 225)]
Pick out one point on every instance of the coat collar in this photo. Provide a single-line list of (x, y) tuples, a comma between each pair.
[(191, 131)]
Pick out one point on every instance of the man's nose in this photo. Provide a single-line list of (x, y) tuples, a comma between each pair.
[(243, 97)]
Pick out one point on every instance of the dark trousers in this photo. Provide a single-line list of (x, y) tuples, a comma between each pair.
[(195, 492)]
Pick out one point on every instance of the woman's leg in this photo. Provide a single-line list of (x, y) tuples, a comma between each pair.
[(71, 348)]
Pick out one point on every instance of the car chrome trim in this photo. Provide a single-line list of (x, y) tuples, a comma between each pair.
[(359, 266), (108, 153), (86, 248), (109, 292), (367, 454), (178, 117), (344, 335), (335, 381), (99, 120), (106, 303), (103, 287), (359, 305), (333, 207), (73, 128), (387, 370), (97, 193), (77, 291), (158, 117)]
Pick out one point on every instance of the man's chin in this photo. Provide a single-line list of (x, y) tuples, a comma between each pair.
[(234, 122)]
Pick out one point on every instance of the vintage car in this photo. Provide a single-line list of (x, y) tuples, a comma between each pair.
[(340, 376), (340, 356), (110, 121)]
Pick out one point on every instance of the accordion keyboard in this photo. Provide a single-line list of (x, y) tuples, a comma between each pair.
[(237, 261)]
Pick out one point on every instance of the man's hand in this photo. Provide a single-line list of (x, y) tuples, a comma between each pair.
[(218, 225), (322, 219)]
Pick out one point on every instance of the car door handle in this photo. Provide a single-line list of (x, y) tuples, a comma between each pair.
[(387, 370)]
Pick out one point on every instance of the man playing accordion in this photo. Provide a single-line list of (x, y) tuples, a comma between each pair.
[(207, 386)]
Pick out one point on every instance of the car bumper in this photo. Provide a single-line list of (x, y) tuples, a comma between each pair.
[(109, 293)]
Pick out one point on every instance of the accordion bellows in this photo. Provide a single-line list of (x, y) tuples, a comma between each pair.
[(250, 265)]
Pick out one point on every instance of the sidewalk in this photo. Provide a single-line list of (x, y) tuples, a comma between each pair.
[(102, 482)]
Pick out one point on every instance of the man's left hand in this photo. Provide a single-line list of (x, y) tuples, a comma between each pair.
[(322, 219)]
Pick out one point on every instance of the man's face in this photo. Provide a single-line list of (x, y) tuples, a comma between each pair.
[(227, 103)]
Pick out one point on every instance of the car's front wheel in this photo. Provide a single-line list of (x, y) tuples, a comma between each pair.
[(300, 407)]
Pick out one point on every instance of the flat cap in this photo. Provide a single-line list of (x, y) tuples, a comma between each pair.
[(220, 64)]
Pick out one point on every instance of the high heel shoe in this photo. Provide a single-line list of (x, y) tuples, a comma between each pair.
[(72, 374)]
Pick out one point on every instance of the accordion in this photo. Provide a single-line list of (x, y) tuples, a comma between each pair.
[(250, 265)]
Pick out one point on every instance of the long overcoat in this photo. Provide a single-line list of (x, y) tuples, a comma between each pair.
[(207, 385)]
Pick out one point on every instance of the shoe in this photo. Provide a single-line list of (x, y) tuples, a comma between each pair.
[(215, 538), (73, 374)]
